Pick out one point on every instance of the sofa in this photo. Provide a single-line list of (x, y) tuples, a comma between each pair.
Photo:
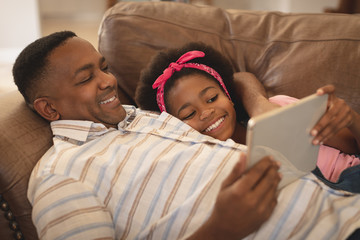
[(292, 54)]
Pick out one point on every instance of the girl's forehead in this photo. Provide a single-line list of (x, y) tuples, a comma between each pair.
[(197, 79), (192, 86)]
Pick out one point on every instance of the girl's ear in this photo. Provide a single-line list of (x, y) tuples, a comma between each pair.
[(44, 107)]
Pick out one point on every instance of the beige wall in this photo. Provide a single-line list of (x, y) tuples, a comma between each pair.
[(74, 9), (19, 23)]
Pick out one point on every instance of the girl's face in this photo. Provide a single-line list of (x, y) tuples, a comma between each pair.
[(201, 103)]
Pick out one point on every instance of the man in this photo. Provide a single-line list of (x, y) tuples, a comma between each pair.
[(116, 173)]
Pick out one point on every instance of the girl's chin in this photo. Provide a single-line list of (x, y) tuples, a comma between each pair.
[(221, 138)]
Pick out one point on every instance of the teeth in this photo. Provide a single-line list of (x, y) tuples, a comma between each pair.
[(109, 100), (215, 125)]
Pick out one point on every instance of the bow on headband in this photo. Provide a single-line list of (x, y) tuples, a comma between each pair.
[(177, 66)]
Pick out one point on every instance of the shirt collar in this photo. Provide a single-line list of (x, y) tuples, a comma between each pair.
[(80, 130)]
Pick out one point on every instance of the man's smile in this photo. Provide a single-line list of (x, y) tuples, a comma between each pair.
[(111, 99)]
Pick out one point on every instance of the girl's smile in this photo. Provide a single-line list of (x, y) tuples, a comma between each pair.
[(215, 126)]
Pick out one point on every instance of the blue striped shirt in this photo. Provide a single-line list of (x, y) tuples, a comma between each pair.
[(157, 178)]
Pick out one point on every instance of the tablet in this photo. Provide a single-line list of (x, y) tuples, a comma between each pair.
[(284, 133)]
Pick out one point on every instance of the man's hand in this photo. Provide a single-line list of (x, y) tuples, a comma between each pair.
[(339, 123), (244, 203)]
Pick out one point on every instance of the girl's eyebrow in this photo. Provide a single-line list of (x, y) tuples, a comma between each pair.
[(183, 107), (202, 93)]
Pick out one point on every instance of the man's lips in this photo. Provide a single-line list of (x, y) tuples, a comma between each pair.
[(109, 100), (214, 125)]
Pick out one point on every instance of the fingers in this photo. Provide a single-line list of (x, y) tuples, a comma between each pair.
[(267, 186), (268, 199), (328, 89), (337, 116), (262, 181), (264, 171)]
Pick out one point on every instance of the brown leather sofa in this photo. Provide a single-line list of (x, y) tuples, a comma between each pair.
[(291, 54)]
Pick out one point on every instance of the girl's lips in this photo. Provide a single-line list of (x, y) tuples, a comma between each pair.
[(215, 125)]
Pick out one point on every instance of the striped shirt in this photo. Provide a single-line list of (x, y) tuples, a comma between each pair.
[(157, 178)]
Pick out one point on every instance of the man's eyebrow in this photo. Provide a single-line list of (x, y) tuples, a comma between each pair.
[(89, 66), (83, 68), (202, 93)]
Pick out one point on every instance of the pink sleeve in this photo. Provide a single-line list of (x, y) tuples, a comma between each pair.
[(332, 162), (282, 100)]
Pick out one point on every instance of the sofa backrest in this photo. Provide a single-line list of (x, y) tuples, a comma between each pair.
[(291, 54)]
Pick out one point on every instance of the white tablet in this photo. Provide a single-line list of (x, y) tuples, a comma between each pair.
[(284, 133)]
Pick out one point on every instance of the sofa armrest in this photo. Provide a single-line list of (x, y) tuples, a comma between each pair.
[(24, 138)]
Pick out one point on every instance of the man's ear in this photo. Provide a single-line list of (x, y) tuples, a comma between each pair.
[(45, 108)]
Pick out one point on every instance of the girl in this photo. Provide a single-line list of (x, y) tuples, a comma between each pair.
[(204, 86), (195, 84)]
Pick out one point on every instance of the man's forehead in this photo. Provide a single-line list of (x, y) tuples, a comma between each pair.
[(74, 52), (74, 47)]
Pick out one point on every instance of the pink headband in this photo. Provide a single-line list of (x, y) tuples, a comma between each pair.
[(177, 66)]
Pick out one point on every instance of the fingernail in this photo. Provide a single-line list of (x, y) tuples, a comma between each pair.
[(320, 91), (316, 142), (314, 132)]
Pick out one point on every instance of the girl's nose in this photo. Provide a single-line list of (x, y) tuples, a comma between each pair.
[(206, 113)]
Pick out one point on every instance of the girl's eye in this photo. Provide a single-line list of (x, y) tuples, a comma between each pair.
[(213, 99), (189, 116)]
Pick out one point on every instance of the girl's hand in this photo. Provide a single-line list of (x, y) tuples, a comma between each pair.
[(338, 116)]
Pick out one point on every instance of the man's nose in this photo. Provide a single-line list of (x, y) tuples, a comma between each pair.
[(206, 113), (106, 80)]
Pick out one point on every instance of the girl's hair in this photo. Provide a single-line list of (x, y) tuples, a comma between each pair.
[(145, 95)]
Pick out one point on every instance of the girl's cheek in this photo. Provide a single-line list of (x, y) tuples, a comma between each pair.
[(193, 124)]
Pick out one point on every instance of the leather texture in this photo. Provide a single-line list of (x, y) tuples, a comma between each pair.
[(291, 54)]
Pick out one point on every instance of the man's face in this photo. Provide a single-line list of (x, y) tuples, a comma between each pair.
[(80, 86)]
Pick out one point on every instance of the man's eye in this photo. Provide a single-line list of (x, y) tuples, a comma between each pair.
[(105, 69), (213, 99), (189, 116), (85, 80)]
